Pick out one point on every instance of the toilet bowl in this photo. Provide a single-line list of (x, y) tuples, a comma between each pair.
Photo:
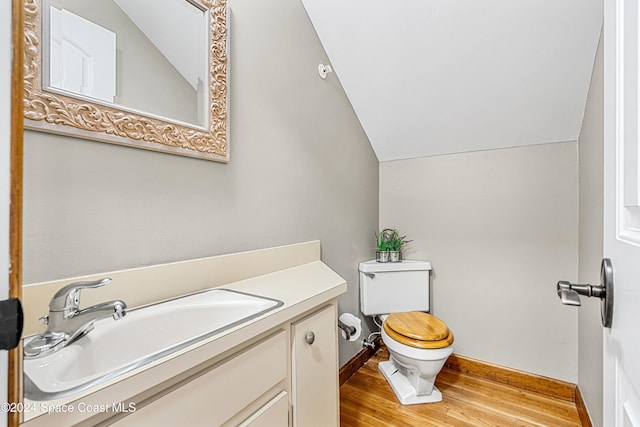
[(419, 345)]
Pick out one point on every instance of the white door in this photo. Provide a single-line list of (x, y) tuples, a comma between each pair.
[(82, 56), (622, 211)]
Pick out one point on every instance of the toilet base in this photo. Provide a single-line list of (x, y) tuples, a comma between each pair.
[(403, 389)]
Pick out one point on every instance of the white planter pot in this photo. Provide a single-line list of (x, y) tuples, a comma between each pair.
[(395, 256), (382, 256)]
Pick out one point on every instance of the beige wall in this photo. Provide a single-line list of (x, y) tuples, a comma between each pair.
[(591, 155), (500, 228), (301, 169)]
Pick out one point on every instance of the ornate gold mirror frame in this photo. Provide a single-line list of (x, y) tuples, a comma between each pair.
[(55, 113)]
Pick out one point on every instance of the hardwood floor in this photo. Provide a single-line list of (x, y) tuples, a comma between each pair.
[(366, 399)]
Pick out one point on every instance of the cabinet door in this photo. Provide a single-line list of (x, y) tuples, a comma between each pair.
[(315, 370)]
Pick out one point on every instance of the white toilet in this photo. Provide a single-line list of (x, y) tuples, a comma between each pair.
[(419, 343)]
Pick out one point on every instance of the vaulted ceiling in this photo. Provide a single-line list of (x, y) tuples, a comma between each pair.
[(430, 77)]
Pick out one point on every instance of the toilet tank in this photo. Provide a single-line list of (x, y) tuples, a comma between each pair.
[(393, 287)]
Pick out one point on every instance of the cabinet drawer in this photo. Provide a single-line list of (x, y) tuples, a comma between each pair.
[(217, 395), (274, 414)]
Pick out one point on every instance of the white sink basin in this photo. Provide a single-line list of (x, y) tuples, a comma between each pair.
[(144, 335)]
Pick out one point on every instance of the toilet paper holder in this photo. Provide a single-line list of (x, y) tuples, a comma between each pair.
[(350, 325), (348, 330)]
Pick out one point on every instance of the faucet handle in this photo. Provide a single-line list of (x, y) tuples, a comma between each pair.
[(68, 297)]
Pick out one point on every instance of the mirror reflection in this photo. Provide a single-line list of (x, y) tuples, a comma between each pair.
[(131, 53)]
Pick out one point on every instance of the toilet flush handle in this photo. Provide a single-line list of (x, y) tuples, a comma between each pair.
[(370, 275)]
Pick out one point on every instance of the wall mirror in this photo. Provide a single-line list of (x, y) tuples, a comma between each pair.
[(140, 73)]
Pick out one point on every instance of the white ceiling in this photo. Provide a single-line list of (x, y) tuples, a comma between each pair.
[(430, 77)]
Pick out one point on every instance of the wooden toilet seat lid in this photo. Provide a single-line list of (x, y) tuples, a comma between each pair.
[(419, 330)]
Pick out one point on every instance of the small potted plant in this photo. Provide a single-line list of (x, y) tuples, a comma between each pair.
[(395, 246), (389, 245), (382, 245)]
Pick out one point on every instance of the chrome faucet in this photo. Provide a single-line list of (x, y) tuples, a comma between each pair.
[(67, 323)]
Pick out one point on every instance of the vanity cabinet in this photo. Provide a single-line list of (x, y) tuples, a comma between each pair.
[(315, 369), (294, 367), (260, 372)]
